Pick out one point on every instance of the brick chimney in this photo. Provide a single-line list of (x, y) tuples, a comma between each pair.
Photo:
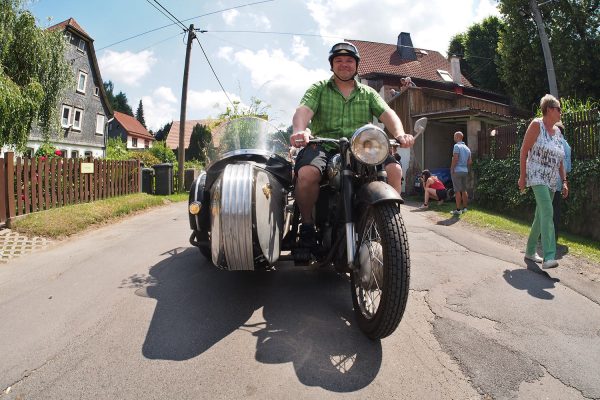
[(455, 69), (405, 47)]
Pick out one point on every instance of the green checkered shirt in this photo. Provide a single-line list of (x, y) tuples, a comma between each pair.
[(335, 116)]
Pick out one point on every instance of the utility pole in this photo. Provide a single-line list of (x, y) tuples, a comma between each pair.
[(537, 17), (186, 70)]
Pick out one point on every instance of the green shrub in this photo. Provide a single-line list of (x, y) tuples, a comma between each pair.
[(116, 149), (145, 157), (161, 151)]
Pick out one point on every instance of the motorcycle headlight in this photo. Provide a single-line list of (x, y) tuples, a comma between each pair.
[(370, 145)]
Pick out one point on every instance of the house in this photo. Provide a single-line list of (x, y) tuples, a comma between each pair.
[(442, 94), (173, 135), (130, 131), (85, 109)]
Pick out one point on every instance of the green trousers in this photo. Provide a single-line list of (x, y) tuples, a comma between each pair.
[(543, 224)]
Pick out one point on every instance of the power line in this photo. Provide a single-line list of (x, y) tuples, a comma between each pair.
[(175, 23), (275, 33), (168, 12), (213, 71)]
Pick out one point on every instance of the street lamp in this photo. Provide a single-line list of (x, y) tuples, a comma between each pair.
[(537, 17)]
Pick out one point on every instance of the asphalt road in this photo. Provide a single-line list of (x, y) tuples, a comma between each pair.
[(132, 311)]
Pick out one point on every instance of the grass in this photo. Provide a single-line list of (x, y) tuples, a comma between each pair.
[(66, 221), (478, 216)]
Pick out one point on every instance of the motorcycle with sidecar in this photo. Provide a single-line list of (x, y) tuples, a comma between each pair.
[(243, 215)]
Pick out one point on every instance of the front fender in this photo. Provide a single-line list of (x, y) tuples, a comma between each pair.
[(377, 192)]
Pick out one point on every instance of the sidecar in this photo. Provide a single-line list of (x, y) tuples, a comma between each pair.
[(237, 206)]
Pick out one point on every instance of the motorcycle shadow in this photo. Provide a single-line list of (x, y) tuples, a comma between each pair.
[(308, 319)]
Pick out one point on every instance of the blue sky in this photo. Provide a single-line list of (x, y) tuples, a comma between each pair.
[(274, 67)]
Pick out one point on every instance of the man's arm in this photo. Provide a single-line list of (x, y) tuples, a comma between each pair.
[(301, 135), (394, 126), (454, 161)]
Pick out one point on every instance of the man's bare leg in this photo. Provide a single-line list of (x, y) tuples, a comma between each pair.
[(394, 176), (307, 191)]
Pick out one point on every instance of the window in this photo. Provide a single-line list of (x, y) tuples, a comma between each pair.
[(146, 143), (81, 81), (81, 45), (87, 154), (99, 124), (74, 154), (66, 116), (63, 153), (96, 91), (68, 36), (77, 117), (445, 75), (133, 142)]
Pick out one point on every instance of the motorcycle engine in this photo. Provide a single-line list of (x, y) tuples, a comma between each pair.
[(334, 171)]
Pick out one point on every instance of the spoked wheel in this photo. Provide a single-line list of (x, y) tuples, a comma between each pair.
[(380, 282)]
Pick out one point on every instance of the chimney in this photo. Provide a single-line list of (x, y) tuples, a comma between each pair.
[(455, 69), (405, 47)]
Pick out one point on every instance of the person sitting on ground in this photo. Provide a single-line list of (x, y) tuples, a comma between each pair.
[(434, 188)]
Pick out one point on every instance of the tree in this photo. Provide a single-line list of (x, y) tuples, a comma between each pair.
[(163, 132), (33, 75), (118, 102), (200, 140), (122, 104), (574, 35), (139, 114), (478, 48)]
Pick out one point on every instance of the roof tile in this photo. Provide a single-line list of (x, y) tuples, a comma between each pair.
[(132, 125), (382, 58)]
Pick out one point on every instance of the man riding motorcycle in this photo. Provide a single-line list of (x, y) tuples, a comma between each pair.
[(337, 107)]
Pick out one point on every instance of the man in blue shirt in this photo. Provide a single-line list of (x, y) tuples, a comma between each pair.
[(459, 170)]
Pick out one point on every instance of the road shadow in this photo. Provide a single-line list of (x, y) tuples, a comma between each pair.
[(533, 279), (448, 221), (308, 318)]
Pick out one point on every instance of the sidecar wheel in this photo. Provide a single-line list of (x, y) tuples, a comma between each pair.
[(204, 250), (380, 284)]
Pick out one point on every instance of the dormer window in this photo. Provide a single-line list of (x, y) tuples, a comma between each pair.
[(81, 45), (445, 75), (81, 81)]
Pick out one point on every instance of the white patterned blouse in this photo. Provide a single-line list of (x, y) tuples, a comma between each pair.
[(543, 160)]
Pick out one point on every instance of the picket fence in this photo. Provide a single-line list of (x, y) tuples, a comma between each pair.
[(29, 185)]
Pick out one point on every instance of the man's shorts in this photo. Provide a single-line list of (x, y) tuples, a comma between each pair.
[(459, 181), (316, 156)]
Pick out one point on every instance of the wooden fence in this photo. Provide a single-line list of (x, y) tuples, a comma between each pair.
[(582, 132), (35, 184)]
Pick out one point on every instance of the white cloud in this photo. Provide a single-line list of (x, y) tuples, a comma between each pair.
[(278, 81), (431, 27), (160, 108), (225, 53), (230, 16), (261, 21), (299, 48), (126, 68), (207, 103)]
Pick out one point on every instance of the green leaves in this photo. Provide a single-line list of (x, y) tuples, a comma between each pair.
[(33, 75)]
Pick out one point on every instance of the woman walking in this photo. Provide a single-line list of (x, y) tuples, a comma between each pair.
[(541, 165)]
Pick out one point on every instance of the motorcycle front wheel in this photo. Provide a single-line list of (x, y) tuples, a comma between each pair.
[(380, 281)]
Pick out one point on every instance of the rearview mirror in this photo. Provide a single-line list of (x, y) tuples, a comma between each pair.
[(420, 126)]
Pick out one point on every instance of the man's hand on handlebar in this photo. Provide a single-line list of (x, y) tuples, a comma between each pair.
[(405, 140), (300, 139)]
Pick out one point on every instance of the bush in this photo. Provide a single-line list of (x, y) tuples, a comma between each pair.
[(496, 189), (116, 149), (160, 150), (144, 156)]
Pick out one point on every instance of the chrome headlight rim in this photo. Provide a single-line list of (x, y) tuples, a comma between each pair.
[(378, 138)]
